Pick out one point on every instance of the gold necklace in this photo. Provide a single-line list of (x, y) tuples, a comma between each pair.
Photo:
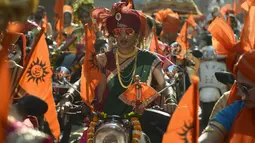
[(119, 74), (128, 55)]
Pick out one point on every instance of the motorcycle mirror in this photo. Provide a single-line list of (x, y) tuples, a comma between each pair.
[(197, 53), (225, 77), (176, 49), (172, 68)]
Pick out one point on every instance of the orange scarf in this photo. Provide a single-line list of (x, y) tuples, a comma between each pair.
[(243, 129)]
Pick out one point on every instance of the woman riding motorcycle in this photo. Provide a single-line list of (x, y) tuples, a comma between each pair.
[(120, 65)]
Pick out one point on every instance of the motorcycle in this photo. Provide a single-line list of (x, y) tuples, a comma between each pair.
[(210, 89), (123, 129), (113, 128), (180, 70)]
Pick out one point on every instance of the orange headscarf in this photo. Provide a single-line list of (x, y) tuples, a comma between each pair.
[(243, 129), (68, 9), (247, 43), (170, 20), (223, 40)]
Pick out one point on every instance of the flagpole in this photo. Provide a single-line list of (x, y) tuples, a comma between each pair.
[(196, 103)]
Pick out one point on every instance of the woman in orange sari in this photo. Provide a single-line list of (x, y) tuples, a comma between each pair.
[(236, 122)]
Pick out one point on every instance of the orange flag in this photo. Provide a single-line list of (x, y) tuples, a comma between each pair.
[(45, 23), (247, 36), (5, 86), (154, 47), (184, 125), (4, 76), (36, 80), (239, 5), (59, 8), (91, 76), (131, 4), (182, 39), (223, 36), (247, 4)]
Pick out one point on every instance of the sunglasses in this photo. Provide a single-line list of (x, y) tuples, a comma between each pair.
[(129, 31), (245, 90)]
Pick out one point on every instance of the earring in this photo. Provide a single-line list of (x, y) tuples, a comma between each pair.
[(137, 43), (114, 42)]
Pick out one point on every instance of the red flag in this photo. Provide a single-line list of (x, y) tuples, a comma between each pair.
[(91, 76), (36, 80), (184, 124)]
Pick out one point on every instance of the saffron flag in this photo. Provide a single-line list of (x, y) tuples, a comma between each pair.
[(37, 80), (182, 39), (154, 47), (246, 5), (44, 23), (59, 8), (91, 75), (184, 125), (5, 85), (247, 35), (5, 93)]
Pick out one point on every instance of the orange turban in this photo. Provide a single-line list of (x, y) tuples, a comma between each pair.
[(68, 8), (246, 65), (224, 42), (170, 20)]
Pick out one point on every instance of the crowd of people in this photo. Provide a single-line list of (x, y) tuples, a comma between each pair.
[(122, 60)]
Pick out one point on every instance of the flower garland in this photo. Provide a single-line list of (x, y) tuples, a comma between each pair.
[(92, 126), (137, 129), (91, 130), (134, 118)]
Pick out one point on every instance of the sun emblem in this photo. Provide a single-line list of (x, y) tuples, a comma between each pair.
[(37, 71), (93, 62), (186, 130)]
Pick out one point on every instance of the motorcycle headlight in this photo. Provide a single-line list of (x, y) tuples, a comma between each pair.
[(111, 133)]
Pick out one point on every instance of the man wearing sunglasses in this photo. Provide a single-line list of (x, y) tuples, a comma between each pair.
[(235, 123)]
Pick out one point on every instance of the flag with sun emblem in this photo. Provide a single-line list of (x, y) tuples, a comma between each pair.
[(184, 125), (91, 75), (182, 39), (36, 80)]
